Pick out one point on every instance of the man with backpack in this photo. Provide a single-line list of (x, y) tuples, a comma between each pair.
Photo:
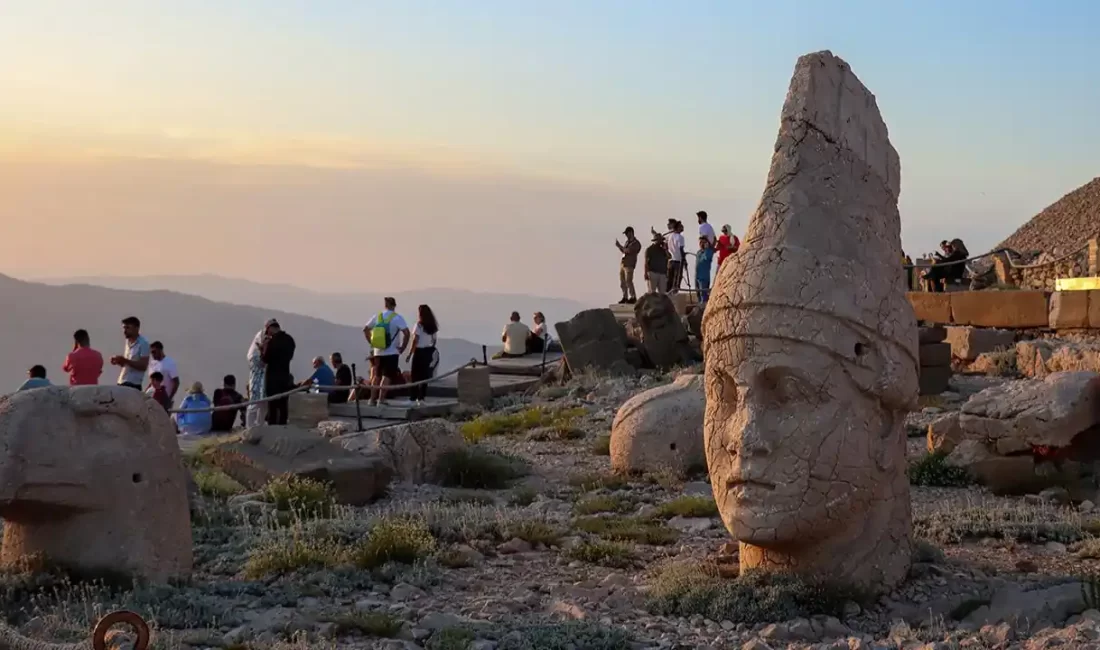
[(381, 332)]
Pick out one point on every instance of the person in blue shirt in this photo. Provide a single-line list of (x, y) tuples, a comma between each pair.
[(702, 268), (195, 424), (36, 378), (322, 374)]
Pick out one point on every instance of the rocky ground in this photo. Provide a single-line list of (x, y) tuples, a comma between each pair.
[(538, 546)]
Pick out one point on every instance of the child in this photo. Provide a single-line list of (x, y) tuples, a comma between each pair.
[(703, 261), (158, 391)]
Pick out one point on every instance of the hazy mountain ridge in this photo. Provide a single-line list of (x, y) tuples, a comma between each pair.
[(207, 338), (462, 314)]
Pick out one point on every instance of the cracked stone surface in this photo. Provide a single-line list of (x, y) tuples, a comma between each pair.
[(661, 428), (411, 449), (92, 477), (811, 348)]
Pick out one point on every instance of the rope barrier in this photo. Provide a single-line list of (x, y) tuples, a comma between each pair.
[(299, 389)]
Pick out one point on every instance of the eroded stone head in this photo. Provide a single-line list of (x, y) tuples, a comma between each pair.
[(811, 348), (92, 477)]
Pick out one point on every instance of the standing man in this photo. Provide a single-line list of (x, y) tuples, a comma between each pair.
[(277, 352), (343, 378), (630, 252), (83, 364), (381, 331), (166, 366), (134, 362), (675, 243), (656, 265), (705, 229)]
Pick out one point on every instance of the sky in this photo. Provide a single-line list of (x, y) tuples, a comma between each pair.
[(497, 145)]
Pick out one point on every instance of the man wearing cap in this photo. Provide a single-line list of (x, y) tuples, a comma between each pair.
[(630, 252)]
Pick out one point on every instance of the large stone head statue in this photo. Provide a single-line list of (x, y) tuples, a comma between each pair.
[(92, 478), (811, 348)]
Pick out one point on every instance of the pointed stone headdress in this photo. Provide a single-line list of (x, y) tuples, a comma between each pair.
[(820, 261)]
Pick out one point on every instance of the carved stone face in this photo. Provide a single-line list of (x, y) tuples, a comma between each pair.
[(795, 449)]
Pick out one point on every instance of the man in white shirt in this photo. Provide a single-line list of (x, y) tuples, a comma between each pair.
[(674, 240), (166, 366), (135, 360), (382, 332), (705, 229), (515, 337)]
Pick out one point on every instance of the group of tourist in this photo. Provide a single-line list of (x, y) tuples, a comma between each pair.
[(665, 258), (520, 340), (948, 266)]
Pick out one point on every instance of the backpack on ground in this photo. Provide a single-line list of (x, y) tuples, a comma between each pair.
[(380, 337)]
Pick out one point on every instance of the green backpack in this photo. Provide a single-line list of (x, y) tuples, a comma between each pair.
[(380, 337)]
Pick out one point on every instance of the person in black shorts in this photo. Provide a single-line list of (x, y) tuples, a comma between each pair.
[(388, 335)]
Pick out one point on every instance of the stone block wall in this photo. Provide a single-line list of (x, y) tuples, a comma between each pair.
[(1012, 310)]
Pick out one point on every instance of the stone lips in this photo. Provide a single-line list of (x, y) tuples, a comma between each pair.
[(819, 270), (93, 478)]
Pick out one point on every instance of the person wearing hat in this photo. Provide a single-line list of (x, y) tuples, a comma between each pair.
[(727, 244), (630, 252), (195, 424), (656, 264)]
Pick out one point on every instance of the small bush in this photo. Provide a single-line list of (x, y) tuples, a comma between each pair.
[(394, 539), (609, 554), (603, 503), (451, 638), (377, 624), (454, 559), (596, 481), (573, 635), (925, 551), (1001, 362), (289, 553), (933, 471), (1017, 522), (688, 506), (500, 424), (535, 532), (300, 495), (627, 529), (215, 483), (473, 468), (602, 446), (523, 496), (1089, 549), (695, 589), (467, 496)]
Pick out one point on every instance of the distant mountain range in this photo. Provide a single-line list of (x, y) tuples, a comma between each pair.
[(469, 315), (208, 339)]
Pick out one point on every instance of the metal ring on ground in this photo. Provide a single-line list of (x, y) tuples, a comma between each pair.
[(140, 627)]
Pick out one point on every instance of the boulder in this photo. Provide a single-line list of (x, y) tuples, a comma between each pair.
[(1039, 358), (411, 449), (92, 478), (266, 452), (968, 342), (1022, 414), (664, 339), (1007, 309), (661, 428), (307, 410), (594, 340), (944, 434)]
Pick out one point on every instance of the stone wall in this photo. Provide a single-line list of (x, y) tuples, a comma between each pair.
[(1009, 309), (1042, 276)]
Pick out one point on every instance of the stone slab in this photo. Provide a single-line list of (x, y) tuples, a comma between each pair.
[(967, 343), (1069, 309), (475, 386), (931, 307), (934, 381), (1007, 309), (1094, 309), (934, 334), (499, 385), (400, 409), (532, 365), (934, 355)]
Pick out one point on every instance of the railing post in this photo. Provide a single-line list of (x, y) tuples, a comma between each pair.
[(355, 390), (1094, 257), (485, 354)]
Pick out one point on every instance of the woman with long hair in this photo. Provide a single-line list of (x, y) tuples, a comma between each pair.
[(254, 414), (422, 351)]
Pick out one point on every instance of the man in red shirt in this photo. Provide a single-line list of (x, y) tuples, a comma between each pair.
[(83, 364)]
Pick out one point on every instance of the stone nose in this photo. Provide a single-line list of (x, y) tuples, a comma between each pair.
[(747, 432)]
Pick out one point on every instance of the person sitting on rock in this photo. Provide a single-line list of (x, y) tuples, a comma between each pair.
[(540, 338), (194, 424), (514, 337), (36, 378), (227, 395), (947, 268), (158, 391)]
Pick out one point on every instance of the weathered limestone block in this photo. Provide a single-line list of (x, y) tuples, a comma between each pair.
[(411, 449), (1032, 357), (969, 342), (307, 410), (475, 386), (1007, 309), (944, 434), (92, 478), (664, 339), (934, 380), (933, 355), (1069, 309), (266, 452), (811, 348), (1039, 358), (931, 307), (933, 334), (661, 428), (594, 340), (1019, 415), (1094, 309)]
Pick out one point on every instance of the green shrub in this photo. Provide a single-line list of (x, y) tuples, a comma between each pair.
[(695, 589), (451, 638), (573, 635), (215, 483), (602, 445), (474, 468), (596, 481), (628, 529), (394, 539), (688, 506), (1017, 522), (500, 424), (523, 496), (932, 470), (303, 496), (609, 554), (377, 624), (467, 496), (602, 503), (535, 532), (288, 553)]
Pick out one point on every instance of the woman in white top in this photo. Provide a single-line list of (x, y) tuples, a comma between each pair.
[(422, 351), (539, 338)]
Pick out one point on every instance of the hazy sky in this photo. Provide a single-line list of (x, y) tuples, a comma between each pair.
[(497, 144)]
